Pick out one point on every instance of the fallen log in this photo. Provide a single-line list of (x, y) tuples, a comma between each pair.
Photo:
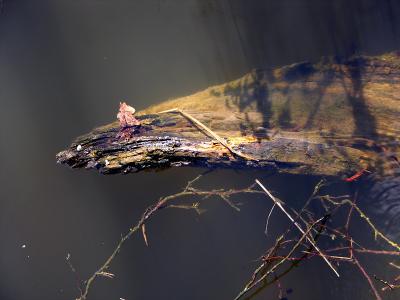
[(328, 118)]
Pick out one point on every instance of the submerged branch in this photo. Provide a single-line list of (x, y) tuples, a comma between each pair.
[(341, 234), (309, 239), (272, 267), (163, 202)]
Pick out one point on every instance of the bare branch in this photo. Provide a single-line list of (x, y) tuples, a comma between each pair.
[(297, 225)]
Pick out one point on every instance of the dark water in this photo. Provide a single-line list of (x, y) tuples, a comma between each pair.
[(65, 65)]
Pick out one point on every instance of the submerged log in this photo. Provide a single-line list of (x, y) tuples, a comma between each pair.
[(328, 118)]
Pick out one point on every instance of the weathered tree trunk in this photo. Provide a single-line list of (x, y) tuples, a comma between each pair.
[(329, 118)]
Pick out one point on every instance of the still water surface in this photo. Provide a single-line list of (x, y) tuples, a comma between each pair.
[(65, 65)]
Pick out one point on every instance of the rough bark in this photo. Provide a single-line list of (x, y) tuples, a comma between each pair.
[(328, 118)]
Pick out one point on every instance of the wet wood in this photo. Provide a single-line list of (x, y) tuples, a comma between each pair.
[(328, 118)]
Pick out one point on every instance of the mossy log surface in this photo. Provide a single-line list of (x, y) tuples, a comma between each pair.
[(328, 118)]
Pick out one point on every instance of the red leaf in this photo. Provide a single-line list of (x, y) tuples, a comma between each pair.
[(125, 115)]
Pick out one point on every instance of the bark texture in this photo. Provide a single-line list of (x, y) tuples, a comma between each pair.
[(327, 118)]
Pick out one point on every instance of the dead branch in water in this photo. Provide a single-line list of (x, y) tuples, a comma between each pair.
[(277, 262), (309, 239), (339, 234), (163, 202)]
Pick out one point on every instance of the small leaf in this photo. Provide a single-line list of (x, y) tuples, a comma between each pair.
[(125, 115)]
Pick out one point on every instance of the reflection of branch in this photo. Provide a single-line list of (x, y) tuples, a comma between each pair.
[(163, 202)]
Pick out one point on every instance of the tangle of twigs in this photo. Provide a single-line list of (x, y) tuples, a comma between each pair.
[(287, 252), (262, 276), (163, 202)]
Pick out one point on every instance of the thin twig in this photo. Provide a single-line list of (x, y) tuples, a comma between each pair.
[(298, 226), (294, 262), (365, 217), (365, 274), (78, 281), (394, 265), (388, 285), (145, 235), (163, 202), (268, 217), (249, 286), (210, 132)]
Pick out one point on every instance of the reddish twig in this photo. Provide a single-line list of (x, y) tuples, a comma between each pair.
[(356, 175)]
